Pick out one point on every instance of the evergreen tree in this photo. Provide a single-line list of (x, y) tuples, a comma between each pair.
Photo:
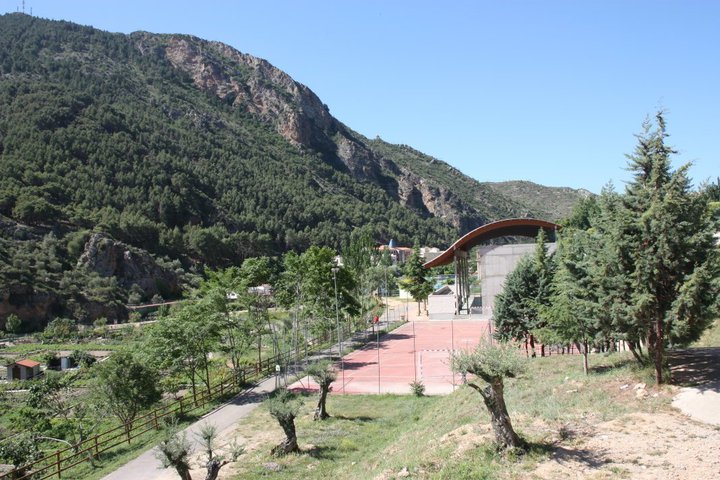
[(665, 248), (13, 324), (527, 290), (415, 280), (572, 316)]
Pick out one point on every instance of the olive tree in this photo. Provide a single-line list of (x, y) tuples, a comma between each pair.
[(492, 363), (284, 407), (175, 451), (324, 375)]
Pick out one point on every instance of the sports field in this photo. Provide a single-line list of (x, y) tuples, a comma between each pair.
[(415, 351)]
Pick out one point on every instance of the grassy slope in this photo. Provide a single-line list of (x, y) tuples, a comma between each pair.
[(549, 203), (711, 337), (449, 437)]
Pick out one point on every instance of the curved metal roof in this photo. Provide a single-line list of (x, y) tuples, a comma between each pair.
[(526, 227)]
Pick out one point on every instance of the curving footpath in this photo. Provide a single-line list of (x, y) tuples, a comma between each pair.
[(147, 467), (697, 370)]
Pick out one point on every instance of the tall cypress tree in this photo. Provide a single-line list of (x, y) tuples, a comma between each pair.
[(665, 248), (526, 291), (575, 312)]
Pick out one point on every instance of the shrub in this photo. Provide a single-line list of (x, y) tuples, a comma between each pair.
[(417, 388)]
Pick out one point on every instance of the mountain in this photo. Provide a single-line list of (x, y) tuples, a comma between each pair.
[(554, 203), (195, 154)]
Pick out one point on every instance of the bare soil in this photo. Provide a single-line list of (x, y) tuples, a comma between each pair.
[(658, 445), (639, 446)]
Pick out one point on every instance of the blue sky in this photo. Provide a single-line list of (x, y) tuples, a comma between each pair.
[(546, 91)]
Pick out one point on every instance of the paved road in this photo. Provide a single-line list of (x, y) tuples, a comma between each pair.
[(697, 370), (147, 467)]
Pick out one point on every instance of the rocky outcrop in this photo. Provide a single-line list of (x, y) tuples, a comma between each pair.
[(253, 84), (256, 86), (34, 307), (130, 266), (437, 201)]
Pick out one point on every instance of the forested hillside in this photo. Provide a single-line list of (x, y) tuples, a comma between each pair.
[(193, 152)]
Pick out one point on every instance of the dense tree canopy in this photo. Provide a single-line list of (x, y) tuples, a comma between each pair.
[(641, 267), (527, 289)]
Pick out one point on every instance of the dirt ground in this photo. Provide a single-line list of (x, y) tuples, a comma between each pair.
[(661, 445), (639, 446)]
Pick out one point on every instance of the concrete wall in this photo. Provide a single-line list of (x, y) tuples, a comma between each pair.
[(495, 262), (442, 305), (26, 373)]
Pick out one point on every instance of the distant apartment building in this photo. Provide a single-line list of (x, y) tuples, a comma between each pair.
[(400, 255)]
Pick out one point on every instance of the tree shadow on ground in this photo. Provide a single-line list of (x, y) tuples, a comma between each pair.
[(695, 367), (600, 369), (359, 419), (560, 454), (322, 452), (248, 397), (357, 365), (394, 336)]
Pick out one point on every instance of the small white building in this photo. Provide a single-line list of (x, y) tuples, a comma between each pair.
[(23, 370)]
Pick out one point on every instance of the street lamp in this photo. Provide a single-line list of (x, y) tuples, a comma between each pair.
[(335, 270)]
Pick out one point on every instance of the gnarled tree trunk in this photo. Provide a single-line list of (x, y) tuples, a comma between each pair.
[(289, 445), (494, 400), (321, 410), (183, 470), (213, 468)]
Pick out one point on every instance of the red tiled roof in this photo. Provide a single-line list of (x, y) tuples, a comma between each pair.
[(28, 363)]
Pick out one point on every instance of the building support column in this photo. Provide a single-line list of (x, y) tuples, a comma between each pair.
[(462, 282)]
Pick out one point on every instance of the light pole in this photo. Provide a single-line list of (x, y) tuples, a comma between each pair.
[(335, 270), (387, 302)]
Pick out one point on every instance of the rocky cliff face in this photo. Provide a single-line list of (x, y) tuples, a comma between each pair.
[(254, 85), (35, 307), (130, 266)]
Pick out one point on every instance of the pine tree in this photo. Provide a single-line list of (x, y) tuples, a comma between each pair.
[(665, 248), (415, 282), (526, 291)]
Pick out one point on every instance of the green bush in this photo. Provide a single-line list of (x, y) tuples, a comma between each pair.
[(417, 388), (61, 329)]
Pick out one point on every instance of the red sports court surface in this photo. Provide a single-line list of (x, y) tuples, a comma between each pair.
[(414, 350)]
